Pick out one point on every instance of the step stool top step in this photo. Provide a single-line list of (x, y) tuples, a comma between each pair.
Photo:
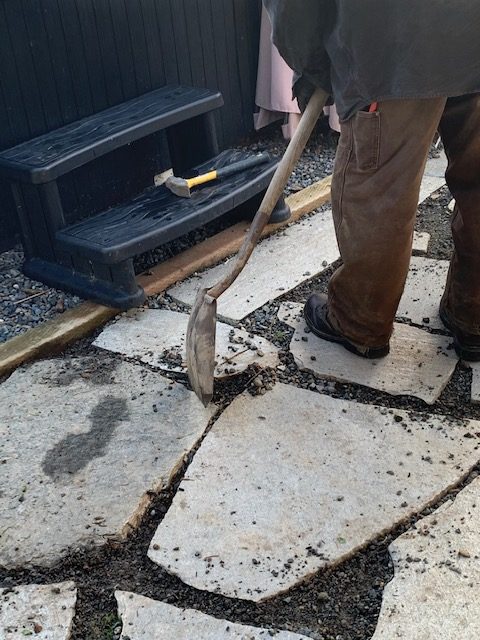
[(55, 153)]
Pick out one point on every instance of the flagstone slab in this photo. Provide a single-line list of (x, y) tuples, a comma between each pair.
[(279, 264), (421, 240), (434, 594), (475, 367), (145, 619), (44, 612), (429, 185), (157, 337), (423, 292), (434, 176), (294, 481), (475, 389), (82, 446), (436, 167), (419, 364)]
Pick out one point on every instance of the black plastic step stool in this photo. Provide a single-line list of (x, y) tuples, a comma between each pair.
[(94, 257)]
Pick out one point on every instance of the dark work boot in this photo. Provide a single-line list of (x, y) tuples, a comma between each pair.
[(316, 317), (467, 345)]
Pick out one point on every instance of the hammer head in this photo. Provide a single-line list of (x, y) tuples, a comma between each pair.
[(178, 186)]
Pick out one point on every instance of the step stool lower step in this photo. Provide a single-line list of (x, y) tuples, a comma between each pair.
[(157, 216), (96, 255)]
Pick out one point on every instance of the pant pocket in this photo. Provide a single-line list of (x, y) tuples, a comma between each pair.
[(366, 140)]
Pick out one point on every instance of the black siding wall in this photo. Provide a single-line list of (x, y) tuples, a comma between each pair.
[(61, 60)]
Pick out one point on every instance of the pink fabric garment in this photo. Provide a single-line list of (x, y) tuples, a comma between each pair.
[(274, 85), (333, 118), (274, 88)]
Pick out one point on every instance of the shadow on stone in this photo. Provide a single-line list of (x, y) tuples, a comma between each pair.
[(75, 451)]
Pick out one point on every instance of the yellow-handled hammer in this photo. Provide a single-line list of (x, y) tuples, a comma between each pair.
[(182, 186)]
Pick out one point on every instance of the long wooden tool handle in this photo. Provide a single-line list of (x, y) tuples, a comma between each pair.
[(275, 190)]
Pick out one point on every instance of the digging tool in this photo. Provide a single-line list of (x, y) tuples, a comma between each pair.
[(200, 339), (182, 186)]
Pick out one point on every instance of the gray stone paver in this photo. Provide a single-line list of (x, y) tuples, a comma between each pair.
[(157, 337), (81, 449), (423, 292), (146, 619), (421, 242), (430, 184), (475, 366), (44, 612), (434, 176), (290, 482), (419, 364), (279, 264), (434, 594), (436, 167)]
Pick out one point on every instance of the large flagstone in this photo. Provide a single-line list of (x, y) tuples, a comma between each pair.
[(146, 619), (423, 292), (82, 446), (293, 481), (419, 364), (421, 240), (44, 612), (157, 337), (436, 167), (279, 264), (429, 185), (433, 177), (434, 594)]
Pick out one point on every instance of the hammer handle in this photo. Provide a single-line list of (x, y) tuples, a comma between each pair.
[(228, 170), (242, 165), (203, 179)]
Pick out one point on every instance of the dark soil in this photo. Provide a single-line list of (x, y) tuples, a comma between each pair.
[(340, 603)]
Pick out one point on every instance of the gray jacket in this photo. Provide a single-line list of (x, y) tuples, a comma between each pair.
[(364, 51)]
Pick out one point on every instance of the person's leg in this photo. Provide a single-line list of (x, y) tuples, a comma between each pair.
[(460, 306), (378, 172)]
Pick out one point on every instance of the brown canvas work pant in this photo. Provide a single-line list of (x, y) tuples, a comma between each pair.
[(378, 171)]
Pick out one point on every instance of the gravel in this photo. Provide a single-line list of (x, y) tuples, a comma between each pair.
[(342, 603), (25, 303)]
